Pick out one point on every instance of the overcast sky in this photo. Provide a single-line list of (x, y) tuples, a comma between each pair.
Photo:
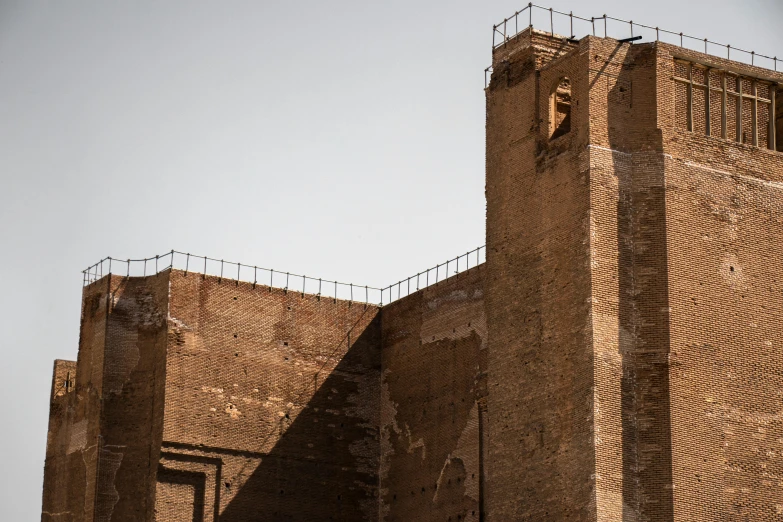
[(338, 139)]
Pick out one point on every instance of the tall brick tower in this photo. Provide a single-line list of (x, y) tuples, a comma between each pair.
[(633, 286)]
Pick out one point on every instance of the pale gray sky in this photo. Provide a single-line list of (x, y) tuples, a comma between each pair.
[(338, 139)]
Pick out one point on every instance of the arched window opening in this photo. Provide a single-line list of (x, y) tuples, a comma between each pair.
[(560, 109)]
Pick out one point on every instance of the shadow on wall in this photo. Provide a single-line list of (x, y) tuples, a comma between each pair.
[(643, 298), (324, 465), (432, 466)]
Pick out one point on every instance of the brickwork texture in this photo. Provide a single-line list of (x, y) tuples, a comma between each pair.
[(619, 356)]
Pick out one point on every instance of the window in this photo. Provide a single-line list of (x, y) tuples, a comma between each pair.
[(560, 109), (719, 103)]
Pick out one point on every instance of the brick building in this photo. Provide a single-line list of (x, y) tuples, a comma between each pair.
[(618, 357)]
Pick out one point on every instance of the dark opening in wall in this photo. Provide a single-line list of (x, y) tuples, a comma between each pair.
[(560, 108)]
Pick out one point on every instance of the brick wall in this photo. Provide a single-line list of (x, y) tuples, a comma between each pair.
[(433, 346), (629, 285), (101, 452), (779, 120), (661, 210), (57, 495), (272, 405), (540, 459), (72, 450), (723, 239), (616, 358), (132, 399)]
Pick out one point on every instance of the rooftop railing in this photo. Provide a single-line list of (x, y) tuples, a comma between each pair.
[(576, 27), (286, 281)]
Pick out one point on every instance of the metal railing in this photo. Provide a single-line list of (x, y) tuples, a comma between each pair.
[(435, 275), (577, 27), (286, 281)]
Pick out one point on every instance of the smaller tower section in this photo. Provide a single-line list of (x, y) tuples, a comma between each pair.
[(540, 458)]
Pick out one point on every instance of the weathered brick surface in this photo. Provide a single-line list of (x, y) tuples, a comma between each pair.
[(272, 398), (132, 397), (540, 380), (107, 420), (57, 495), (432, 385), (71, 452), (617, 358), (682, 411), (723, 235)]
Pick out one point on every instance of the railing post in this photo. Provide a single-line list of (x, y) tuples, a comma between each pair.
[(571, 15)]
